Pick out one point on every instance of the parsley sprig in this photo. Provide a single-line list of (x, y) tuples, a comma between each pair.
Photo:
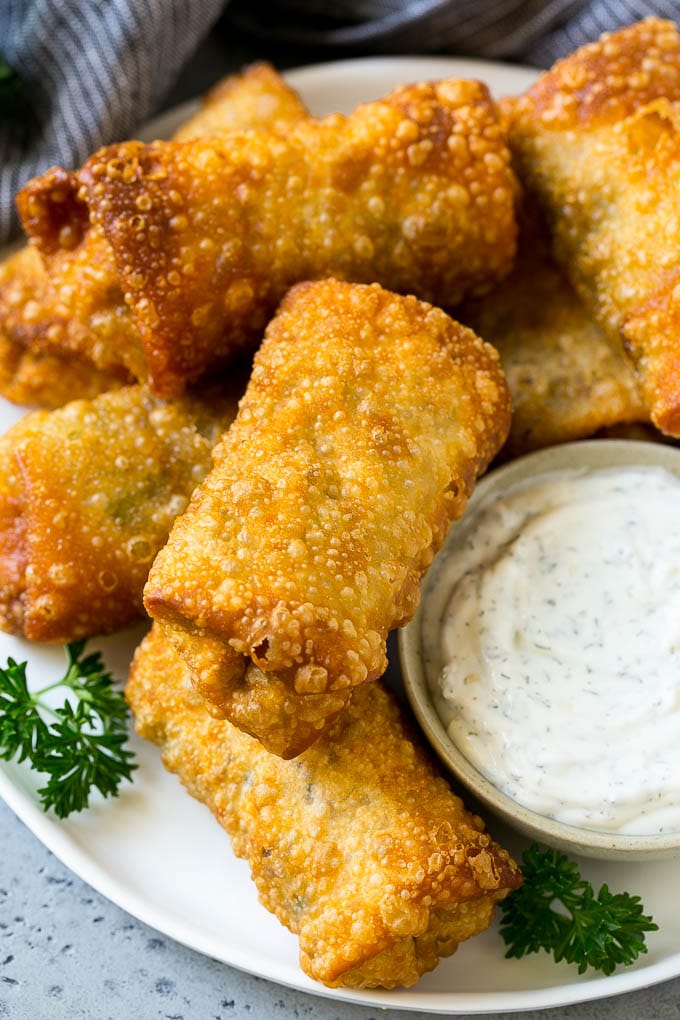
[(79, 745), (558, 911)]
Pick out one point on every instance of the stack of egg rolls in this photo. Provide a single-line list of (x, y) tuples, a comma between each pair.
[(366, 421)]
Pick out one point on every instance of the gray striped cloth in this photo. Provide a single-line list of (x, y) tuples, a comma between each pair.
[(534, 32), (91, 71)]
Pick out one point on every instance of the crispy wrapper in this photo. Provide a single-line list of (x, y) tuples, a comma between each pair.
[(597, 138), (258, 97), (36, 340), (413, 191), (568, 379), (44, 379), (87, 497), (78, 307), (366, 421), (359, 847)]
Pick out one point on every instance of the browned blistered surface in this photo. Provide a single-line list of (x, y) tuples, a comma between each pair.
[(358, 846), (598, 139), (46, 354), (366, 421), (568, 379), (87, 497), (413, 191), (78, 306), (258, 96), (13, 552), (44, 379)]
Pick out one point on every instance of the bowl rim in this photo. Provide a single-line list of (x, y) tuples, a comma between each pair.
[(582, 454)]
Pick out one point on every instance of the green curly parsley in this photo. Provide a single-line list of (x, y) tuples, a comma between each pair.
[(556, 910), (79, 745)]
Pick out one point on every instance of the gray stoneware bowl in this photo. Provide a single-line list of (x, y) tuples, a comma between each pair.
[(420, 671)]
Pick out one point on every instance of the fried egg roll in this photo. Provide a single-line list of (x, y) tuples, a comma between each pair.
[(87, 497), (358, 846), (413, 191), (37, 367), (78, 308), (567, 378), (367, 418), (44, 379), (258, 97), (597, 138)]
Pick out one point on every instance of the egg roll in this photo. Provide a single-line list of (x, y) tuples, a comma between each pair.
[(257, 97), (87, 497), (413, 191), (367, 418), (567, 378), (597, 139), (45, 379), (358, 846), (37, 366), (77, 308)]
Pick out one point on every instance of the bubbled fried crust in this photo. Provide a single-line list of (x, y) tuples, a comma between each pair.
[(257, 96), (46, 357), (13, 554), (605, 81), (42, 379), (87, 497), (366, 421), (357, 846), (78, 306), (598, 140), (567, 378), (259, 703), (413, 191), (37, 366)]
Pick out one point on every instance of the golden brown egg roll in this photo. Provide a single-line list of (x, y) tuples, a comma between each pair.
[(413, 191), (258, 97), (37, 366), (13, 558), (78, 308), (45, 379), (597, 138), (567, 378), (367, 418), (358, 846), (87, 497)]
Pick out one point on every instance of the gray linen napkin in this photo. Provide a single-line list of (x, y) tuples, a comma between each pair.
[(87, 72), (536, 32)]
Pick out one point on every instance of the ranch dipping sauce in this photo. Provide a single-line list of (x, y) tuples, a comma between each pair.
[(559, 634)]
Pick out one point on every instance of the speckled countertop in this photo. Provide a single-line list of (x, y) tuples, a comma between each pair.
[(66, 953)]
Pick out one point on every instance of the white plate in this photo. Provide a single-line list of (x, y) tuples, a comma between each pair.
[(160, 855)]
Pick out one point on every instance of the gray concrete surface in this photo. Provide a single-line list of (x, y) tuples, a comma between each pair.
[(66, 953)]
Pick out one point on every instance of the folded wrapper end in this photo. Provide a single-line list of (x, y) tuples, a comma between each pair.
[(261, 704)]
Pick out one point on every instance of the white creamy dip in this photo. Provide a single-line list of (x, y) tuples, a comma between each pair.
[(561, 644)]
